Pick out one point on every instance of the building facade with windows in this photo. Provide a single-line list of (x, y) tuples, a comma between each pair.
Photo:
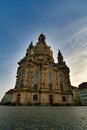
[(83, 93), (41, 81)]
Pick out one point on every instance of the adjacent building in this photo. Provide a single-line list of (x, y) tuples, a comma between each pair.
[(76, 95), (41, 81), (83, 93), (6, 100)]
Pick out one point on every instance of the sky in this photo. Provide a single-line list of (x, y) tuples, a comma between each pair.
[(63, 22)]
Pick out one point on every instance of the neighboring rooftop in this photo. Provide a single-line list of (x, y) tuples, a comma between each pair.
[(10, 91), (83, 85)]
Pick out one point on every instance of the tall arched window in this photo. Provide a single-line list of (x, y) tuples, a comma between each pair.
[(35, 84), (50, 77), (35, 97), (50, 80), (61, 82), (61, 86), (23, 73), (21, 83), (60, 78), (57, 78), (36, 75)]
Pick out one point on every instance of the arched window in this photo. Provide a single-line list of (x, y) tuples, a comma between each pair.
[(23, 73), (36, 75), (50, 80), (35, 97), (61, 86), (63, 98), (61, 82), (50, 77), (21, 83), (35, 84), (57, 78), (60, 78)]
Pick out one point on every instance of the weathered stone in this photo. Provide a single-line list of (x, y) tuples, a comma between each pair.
[(41, 81)]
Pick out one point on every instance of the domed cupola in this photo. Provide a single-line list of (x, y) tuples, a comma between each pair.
[(42, 48)]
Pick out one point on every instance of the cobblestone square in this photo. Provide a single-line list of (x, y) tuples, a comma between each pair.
[(43, 118)]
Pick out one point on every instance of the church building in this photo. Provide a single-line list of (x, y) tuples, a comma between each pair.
[(41, 81)]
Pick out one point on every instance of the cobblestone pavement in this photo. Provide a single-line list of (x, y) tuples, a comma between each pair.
[(43, 118)]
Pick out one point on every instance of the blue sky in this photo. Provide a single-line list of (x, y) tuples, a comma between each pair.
[(63, 22)]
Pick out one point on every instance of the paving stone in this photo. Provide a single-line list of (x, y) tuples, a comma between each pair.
[(43, 118)]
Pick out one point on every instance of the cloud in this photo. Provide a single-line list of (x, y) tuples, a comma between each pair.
[(72, 40), (78, 56)]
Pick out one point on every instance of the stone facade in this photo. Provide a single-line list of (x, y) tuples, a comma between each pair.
[(41, 81)]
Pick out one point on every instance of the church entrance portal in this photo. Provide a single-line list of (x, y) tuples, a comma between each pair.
[(51, 99), (18, 99)]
